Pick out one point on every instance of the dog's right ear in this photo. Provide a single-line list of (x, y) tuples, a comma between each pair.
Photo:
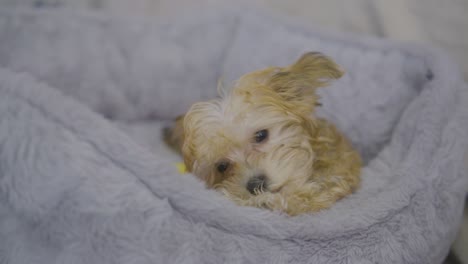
[(174, 136)]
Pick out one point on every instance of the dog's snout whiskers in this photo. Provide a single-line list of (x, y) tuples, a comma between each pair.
[(257, 184)]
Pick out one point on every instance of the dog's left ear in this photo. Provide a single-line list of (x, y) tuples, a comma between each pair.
[(300, 80)]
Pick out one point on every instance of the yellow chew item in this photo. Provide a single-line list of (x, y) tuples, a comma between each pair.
[(181, 167)]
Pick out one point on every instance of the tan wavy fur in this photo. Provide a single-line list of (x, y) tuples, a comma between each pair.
[(261, 145)]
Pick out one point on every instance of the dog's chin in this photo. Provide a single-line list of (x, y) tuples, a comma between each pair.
[(291, 197), (275, 198), (274, 201)]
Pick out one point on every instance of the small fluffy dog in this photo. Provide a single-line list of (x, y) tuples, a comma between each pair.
[(261, 144)]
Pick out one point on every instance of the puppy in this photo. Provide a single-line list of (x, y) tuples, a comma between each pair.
[(261, 144)]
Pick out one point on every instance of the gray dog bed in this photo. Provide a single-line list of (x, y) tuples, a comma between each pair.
[(84, 177)]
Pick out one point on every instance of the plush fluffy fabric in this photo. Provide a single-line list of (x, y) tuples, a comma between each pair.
[(84, 177)]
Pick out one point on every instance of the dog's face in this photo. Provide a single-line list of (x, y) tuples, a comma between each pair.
[(255, 144)]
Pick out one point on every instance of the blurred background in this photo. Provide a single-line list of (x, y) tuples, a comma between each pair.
[(440, 23), (443, 24)]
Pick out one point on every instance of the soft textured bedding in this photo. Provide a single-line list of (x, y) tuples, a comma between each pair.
[(84, 177)]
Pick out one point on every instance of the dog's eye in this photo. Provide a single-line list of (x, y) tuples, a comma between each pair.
[(261, 135), (222, 166)]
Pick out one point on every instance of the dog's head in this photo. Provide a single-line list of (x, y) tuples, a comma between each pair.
[(257, 139)]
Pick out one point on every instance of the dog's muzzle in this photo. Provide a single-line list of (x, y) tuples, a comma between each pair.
[(256, 184)]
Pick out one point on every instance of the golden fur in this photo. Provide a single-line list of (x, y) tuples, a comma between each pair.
[(303, 165)]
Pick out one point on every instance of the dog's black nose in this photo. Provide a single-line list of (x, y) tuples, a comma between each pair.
[(256, 184)]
